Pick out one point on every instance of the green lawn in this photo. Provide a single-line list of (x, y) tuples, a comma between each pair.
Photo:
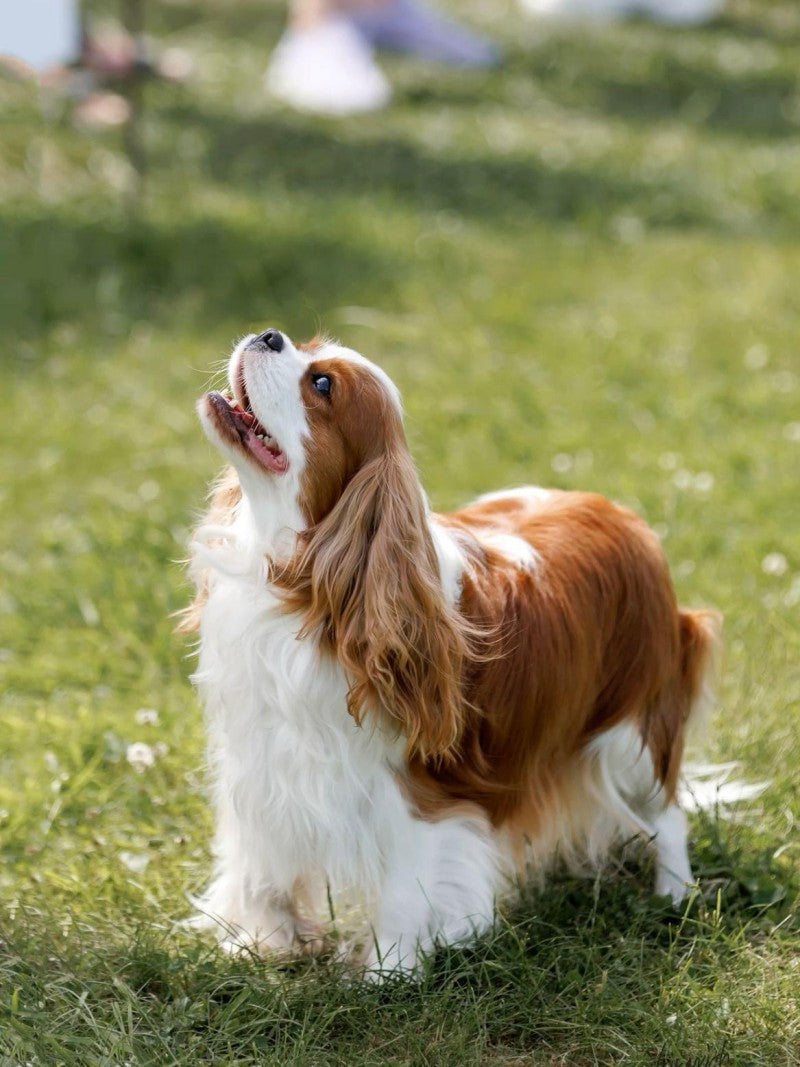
[(581, 270)]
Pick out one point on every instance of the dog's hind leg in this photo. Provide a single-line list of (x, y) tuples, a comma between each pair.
[(670, 842)]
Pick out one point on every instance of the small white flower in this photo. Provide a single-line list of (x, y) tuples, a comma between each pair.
[(584, 459), (134, 861), (562, 462), (704, 482), (140, 756), (756, 357), (146, 717), (783, 381), (682, 479), (791, 432), (671, 1020), (160, 748), (629, 229), (775, 564)]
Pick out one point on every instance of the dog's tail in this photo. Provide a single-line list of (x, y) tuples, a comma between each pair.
[(706, 786), (700, 643)]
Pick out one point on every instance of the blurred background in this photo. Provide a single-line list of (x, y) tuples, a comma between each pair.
[(576, 252)]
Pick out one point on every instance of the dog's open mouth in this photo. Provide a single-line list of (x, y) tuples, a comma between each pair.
[(237, 423)]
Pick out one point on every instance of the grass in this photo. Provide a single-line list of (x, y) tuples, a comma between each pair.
[(581, 270)]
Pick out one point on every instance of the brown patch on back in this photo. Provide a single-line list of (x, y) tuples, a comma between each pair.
[(590, 638)]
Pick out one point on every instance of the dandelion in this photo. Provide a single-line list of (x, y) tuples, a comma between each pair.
[(756, 357), (140, 756), (704, 482), (146, 717), (134, 861), (629, 229), (775, 564), (784, 381), (562, 462)]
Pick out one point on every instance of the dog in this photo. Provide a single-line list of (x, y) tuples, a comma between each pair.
[(420, 706)]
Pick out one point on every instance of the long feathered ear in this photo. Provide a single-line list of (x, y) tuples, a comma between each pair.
[(367, 580)]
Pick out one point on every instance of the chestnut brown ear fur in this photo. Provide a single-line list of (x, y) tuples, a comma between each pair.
[(366, 579)]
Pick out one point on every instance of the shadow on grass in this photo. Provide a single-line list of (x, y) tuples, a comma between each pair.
[(228, 23), (108, 274), (575, 972), (759, 105), (501, 191), (772, 28)]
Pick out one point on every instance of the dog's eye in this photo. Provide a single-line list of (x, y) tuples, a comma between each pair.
[(322, 383)]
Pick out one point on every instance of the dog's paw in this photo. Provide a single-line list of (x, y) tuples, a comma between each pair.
[(311, 938)]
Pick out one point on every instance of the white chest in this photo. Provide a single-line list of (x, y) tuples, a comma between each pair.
[(293, 772)]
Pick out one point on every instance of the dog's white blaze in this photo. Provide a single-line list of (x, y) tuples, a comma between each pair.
[(273, 383)]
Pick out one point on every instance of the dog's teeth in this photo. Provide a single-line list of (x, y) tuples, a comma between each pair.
[(260, 436)]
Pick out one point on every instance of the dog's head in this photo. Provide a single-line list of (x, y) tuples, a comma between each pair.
[(303, 420), (315, 435)]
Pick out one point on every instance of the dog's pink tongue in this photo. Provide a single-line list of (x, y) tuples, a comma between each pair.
[(272, 458)]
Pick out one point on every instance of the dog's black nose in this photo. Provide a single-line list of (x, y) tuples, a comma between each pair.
[(272, 339)]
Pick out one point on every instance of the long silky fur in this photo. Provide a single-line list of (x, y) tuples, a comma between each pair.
[(366, 580)]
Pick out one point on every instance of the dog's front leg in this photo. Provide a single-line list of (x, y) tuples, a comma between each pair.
[(254, 899), (439, 888)]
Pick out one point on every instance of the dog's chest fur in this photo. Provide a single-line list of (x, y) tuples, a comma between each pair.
[(290, 765)]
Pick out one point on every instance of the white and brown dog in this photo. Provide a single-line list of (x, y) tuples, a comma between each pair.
[(416, 704)]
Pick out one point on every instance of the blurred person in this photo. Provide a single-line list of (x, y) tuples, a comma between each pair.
[(676, 12), (50, 39), (40, 33), (49, 36), (324, 62)]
